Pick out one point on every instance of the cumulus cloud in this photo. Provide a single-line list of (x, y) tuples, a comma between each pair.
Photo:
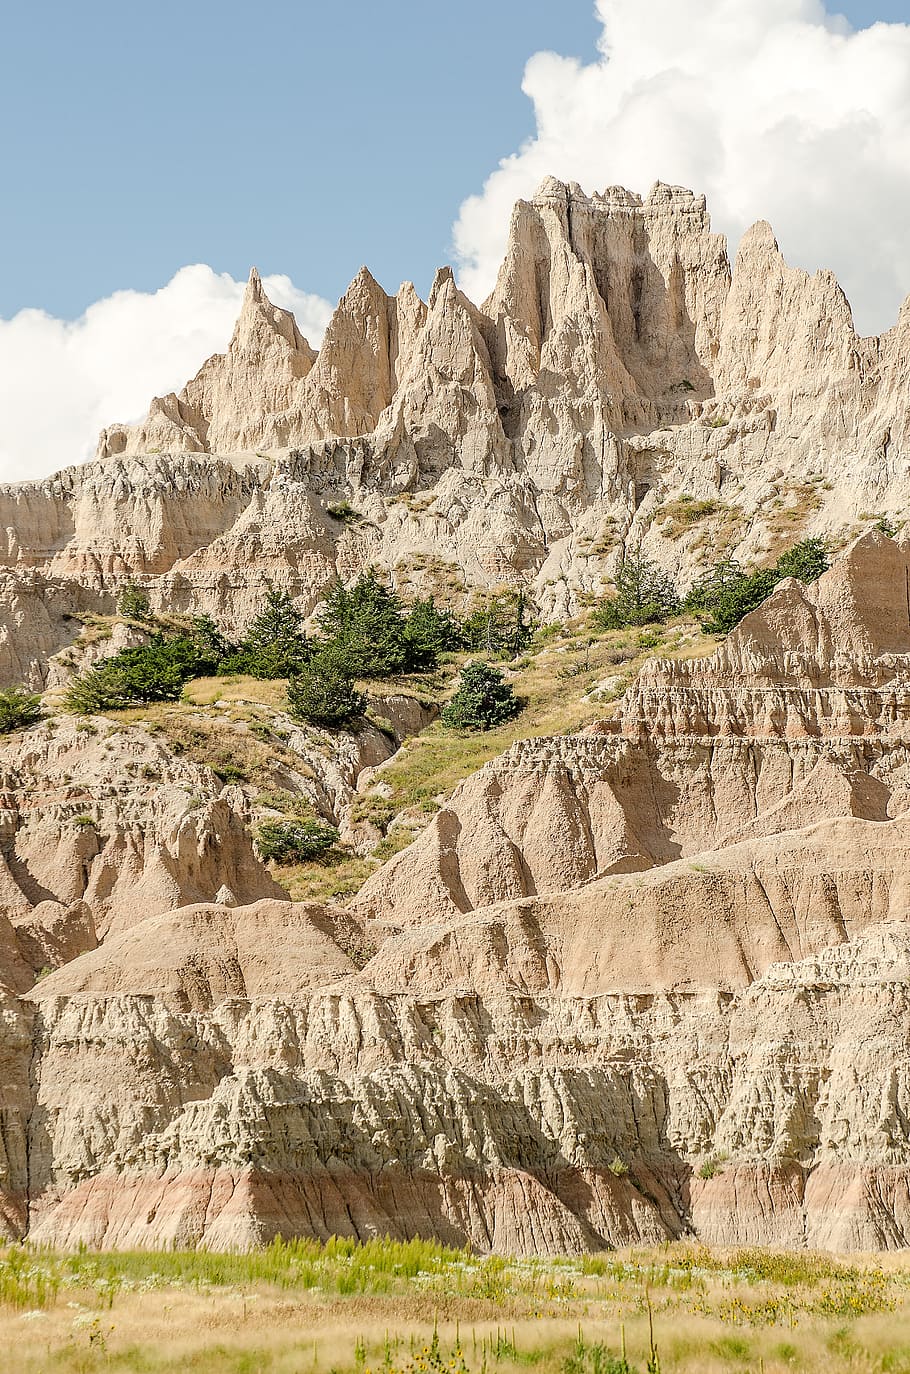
[(775, 109), (61, 381)]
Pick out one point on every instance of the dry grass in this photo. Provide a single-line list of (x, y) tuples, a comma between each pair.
[(554, 682), (417, 1309), (787, 515), (676, 518)]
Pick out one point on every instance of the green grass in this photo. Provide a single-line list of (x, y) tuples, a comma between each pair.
[(418, 1307)]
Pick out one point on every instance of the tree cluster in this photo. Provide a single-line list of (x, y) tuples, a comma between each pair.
[(727, 593)]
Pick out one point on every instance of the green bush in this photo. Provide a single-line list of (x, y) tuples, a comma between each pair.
[(343, 511), (133, 604), (807, 560), (502, 625), (596, 1359), (155, 671), (323, 693), (295, 841), (726, 594), (18, 708), (483, 700), (645, 595)]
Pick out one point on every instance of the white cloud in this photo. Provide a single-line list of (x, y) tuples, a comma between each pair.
[(775, 109), (61, 381)]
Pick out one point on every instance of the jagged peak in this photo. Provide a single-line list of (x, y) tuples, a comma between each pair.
[(759, 235), (443, 285)]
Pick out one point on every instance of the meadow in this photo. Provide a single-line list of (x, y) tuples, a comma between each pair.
[(387, 1307)]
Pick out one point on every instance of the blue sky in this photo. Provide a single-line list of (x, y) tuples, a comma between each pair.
[(152, 153), (303, 137)]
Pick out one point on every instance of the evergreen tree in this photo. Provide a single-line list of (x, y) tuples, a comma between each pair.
[(645, 595), (18, 708), (295, 841), (323, 692), (726, 594), (501, 626), (429, 631), (807, 560), (212, 645), (156, 671), (275, 645), (133, 604), (364, 625), (483, 699)]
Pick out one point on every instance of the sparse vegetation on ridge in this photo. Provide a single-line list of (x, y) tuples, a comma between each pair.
[(726, 594), (18, 709)]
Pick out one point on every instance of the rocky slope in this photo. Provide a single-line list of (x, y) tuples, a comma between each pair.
[(622, 383), (646, 980), (629, 984)]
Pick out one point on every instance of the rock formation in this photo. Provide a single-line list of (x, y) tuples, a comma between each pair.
[(619, 366), (647, 980)]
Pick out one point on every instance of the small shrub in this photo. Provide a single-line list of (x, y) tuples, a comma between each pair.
[(231, 772), (18, 708), (618, 1167), (885, 526), (482, 701), (343, 511), (595, 1359), (323, 693), (295, 841), (133, 604), (713, 1164)]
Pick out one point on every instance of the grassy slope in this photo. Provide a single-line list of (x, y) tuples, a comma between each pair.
[(229, 725), (553, 679), (372, 1310)]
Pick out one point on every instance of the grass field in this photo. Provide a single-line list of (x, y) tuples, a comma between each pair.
[(416, 1308)]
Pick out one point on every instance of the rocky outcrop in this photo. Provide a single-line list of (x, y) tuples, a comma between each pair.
[(619, 365), (514, 1121), (94, 816), (623, 989)]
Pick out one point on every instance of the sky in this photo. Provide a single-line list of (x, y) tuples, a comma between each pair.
[(151, 155)]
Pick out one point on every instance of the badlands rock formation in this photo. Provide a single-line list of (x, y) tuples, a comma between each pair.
[(619, 365), (632, 984), (645, 981)]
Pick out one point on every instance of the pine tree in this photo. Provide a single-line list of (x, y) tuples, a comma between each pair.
[(365, 627), (645, 595), (483, 699), (323, 693)]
